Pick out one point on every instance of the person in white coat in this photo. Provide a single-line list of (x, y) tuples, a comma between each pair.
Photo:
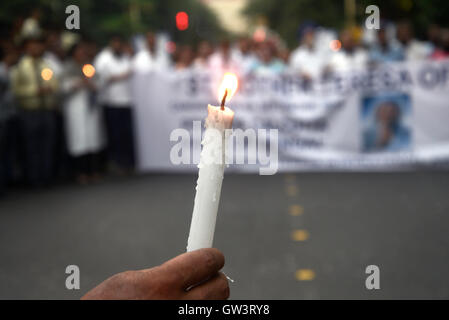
[(349, 57), (150, 58), (114, 69), (307, 60), (82, 116), (414, 50)]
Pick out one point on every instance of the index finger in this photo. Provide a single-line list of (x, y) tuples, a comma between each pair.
[(191, 268)]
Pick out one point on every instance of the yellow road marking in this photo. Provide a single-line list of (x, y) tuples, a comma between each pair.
[(305, 275), (295, 210), (300, 235), (292, 190), (290, 177)]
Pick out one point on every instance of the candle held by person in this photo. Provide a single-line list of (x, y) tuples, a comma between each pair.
[(46, 74), (211, 167), (88, 70)]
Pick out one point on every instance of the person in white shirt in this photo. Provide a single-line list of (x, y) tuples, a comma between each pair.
[(8, 58), (349, 57), (114, 70), (243, 55), (54, 56), (31, 26), (151, 58), (54, 53), (307, 60), (222, 60), (82, 116), (183, 58), (267, 62), (413, 49), (204, 51)]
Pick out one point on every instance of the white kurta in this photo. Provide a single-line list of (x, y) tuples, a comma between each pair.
[(107, 65), (83, 122), (308, 61), (145, 61), (342, 61)]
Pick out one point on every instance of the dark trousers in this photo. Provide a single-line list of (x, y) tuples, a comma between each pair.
[(87, 164), (120, 130), (60, 157), (3, 156), (10, 155), (37, 129)]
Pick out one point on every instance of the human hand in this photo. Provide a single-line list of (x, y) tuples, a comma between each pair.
[(78, 84), (191, 276), (87, 83), (41, 91)]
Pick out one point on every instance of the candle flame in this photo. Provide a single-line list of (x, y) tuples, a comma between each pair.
[(89, 70), (228, 86), (46, 74), (335, 45)]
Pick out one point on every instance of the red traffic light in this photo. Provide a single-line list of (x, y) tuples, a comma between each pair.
[(182, 20)]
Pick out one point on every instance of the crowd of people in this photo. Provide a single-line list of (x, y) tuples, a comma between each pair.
[(66, 107)]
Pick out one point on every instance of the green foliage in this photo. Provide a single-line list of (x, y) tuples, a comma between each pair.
[(421, 13), (100, 18), (284, 16)]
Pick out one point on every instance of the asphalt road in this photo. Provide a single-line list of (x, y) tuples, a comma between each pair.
[(287, 236)]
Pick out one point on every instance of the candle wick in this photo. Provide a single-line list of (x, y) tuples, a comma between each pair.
[(224, 100)]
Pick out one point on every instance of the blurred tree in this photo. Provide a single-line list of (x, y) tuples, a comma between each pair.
[(101, 18), (285, 16), (421, 13)]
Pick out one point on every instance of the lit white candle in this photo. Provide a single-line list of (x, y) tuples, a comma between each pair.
[(211, 168)]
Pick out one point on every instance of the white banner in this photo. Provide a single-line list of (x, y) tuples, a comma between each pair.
[(392, 117)]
